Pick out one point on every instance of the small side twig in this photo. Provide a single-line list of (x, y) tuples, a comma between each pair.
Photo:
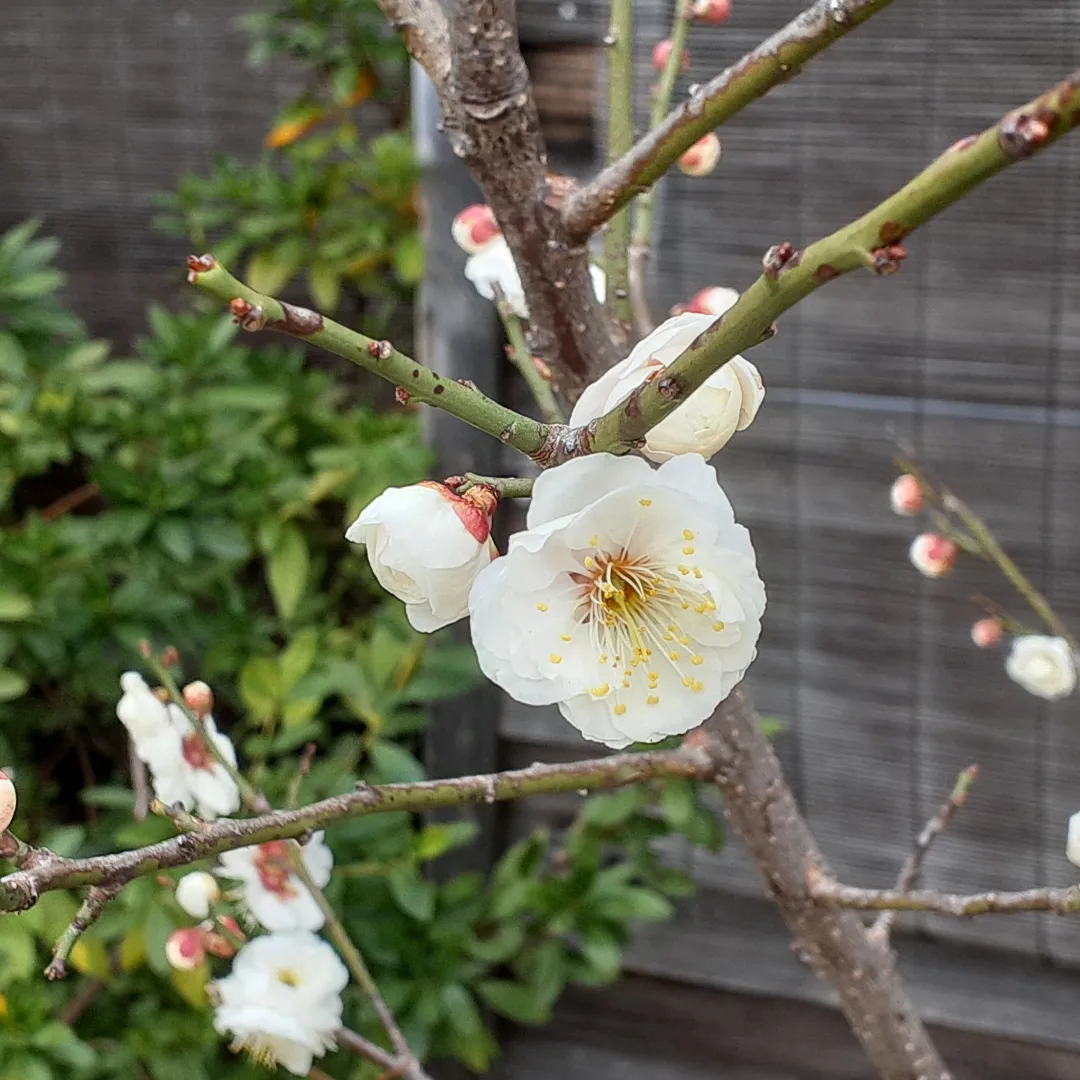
[(303, 768), (521, 357), (913, 864), (88, 914)]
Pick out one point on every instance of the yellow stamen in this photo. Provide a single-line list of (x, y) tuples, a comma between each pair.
[(688, 550), (652, 699), (593, 541), (674, 655), (555, 658), (698, 574), (645, 502), (687, 534), (718, 626), (541, 606), (697, 661), (600, 691), (566, 637), (620, 709)]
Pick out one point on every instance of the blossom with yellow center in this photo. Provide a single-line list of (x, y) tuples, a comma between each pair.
[(597, 607)]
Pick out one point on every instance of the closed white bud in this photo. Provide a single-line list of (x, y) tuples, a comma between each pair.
[(199, 697), (714, 300), (185, 950), (8, 800), (906, 496), (1043, 666), (197, 893), (475, 228), (701, 158), (933, 554), (711, 11), (987, 633), (1072, 843)]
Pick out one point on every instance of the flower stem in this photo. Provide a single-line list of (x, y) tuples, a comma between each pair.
[(620, 54), (521, 357), (508, 487)]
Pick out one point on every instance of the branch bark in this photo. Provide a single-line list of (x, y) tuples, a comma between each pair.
[(493, 125), (424, 29), (41, 870), (774, 61), (836, 944), (1063, 901)]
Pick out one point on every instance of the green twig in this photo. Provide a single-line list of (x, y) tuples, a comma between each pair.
[(774, 61), (508, 487), (88, 914), (620, 54), (645, 207), (873, 241), (256, 311), (521, 357)]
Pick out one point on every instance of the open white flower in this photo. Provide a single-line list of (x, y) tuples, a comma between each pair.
[(282, 1001), (272, 891), (1072, 842), (632, 599), (146, 718), (727, 402), (1043, 666), (494, 265), (426, 545)]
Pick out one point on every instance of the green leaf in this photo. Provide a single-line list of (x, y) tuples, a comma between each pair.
[(434, 841), (409, 259), (679, 802), (643, 905), (546, 971), (394, 764), (499, 946), (295, 662), (12, 684), (603, 953), (324, 284), (222, 539), (287, 570), (414, 895), (18, 954), (615, 808), (260, 688), (176, 540), (514, 1001), (271, 270), (14, 607), (705, 830)]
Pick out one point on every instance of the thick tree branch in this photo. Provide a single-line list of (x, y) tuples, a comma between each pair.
[(835, 944), (774, 61), (872, 242), (41, 870), (424, 29), (257, 311), (830, 893), (493, 126)]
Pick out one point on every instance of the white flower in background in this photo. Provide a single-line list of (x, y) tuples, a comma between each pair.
[(1043, 666), (8, 800), (182, 767), (933, 555), (282, 1001), (426, 545), (272, 891), (713, 300), (727, 402), (197, 893), (494, 265), (632, 599), (475, 228), (1072, 843)]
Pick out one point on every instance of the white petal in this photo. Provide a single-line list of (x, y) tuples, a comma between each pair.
[(319, 859), (1072, 844), (571, 487)]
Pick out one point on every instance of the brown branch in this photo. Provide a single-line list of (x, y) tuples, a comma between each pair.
[(71, 501), (774, 61), (493, 125), (832, 894), (835, 944), (913, 864), (40, 870), (423, 26)]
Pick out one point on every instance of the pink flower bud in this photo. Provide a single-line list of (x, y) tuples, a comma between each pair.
[(987, 633), (712, 11), (199, 697), (933, 554), (186, 949), (714, 300), (8, 800), (906, 496), (224, 945), (662, 53), (701, 158), (475, 228)]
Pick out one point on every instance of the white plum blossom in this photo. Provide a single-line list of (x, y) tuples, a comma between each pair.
[(197, 893), (273, 892), (494, 265), (727, 402), (182, 767), (632, 599), (8, 800), (426, 545), (282, 1001), (1043, 666), (1072, 842)]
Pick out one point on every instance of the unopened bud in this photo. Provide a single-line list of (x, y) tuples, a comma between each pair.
[(661, 54), (197, 893), (987, 633), (186, 949), (170, 656), (401, 395), (701, 158), (906, 496), (475, 228), (1072, 843), (225, 945), (199, 697), (712, 11), (485, 498), (714, 300), (933, 554), (8, 800)]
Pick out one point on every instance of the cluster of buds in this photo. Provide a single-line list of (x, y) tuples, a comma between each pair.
[(187, 948), (931, 553)]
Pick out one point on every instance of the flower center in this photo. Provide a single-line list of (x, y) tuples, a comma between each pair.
[(274, 869), (288, 977), (197, 753), (635, 610)]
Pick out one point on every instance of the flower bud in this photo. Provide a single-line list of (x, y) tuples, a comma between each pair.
[(475, 228), (987, 633), (199, 698), (1072, 844), (222, 944), (8, 800), (701, 158), (714, 300), (1044, 666), (711, 11), (662, 53), (906, 496), (197, 893), (933, 554), (186, 950)]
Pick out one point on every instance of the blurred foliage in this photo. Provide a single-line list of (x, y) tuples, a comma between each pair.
[(329, 202)]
